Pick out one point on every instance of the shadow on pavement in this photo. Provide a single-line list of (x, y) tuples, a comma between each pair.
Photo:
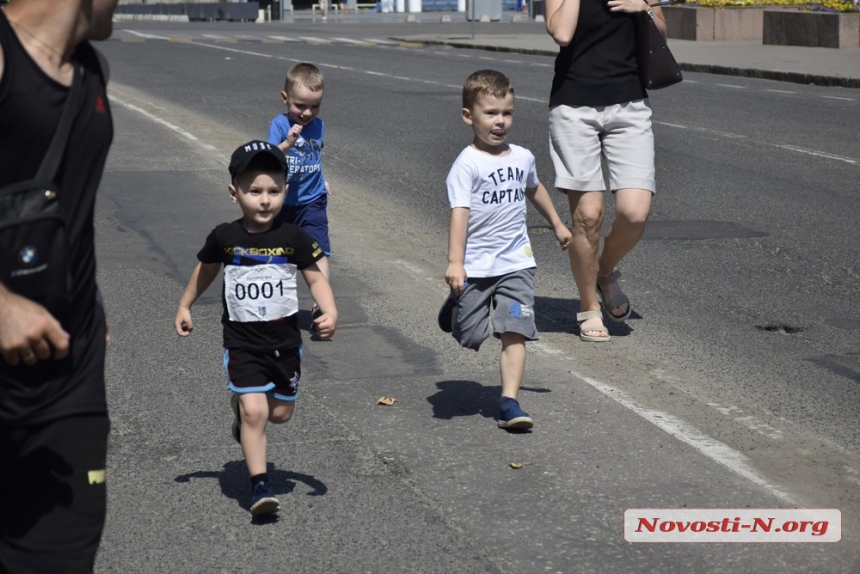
[(234, 484), (559, 316)]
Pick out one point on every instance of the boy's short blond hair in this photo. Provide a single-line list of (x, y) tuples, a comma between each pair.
[(485, 83), (306, 75)]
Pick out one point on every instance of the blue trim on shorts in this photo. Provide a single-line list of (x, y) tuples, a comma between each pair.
[(278, 397), (268, 389), (245, 390)]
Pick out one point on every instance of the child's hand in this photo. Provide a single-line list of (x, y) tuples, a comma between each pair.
[(455, 277), (326, 325), (293, 135), (563, 236), (327, 187), (182, 323)]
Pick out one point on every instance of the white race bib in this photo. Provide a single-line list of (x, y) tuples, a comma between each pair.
[(260, 292)]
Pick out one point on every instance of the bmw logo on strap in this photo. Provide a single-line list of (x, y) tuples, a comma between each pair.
[(27, 255)]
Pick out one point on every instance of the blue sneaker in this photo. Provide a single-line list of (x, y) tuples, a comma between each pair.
[(236, 427), (512, 417), (263, 500)]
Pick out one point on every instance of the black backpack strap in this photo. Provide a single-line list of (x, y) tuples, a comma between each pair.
[(57, 149)]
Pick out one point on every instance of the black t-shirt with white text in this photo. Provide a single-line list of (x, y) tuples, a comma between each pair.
[(260, 293)]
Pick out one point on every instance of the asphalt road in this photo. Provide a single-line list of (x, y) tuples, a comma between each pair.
[(735, 385)]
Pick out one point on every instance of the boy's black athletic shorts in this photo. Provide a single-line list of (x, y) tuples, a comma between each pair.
[(276, 373), (52, 495)]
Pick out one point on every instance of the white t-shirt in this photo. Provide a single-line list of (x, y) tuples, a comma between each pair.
[(493, 188)]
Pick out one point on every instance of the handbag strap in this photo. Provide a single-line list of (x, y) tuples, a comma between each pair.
[(57, 149)]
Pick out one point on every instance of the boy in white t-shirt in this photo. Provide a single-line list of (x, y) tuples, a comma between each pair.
[(490, 264)]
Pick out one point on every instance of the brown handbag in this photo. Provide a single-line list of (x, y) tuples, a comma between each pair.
[(657, 66)]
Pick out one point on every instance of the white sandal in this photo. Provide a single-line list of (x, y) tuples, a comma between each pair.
[(585, 316)]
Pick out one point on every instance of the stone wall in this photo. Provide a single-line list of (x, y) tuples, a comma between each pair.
[(817, 29)]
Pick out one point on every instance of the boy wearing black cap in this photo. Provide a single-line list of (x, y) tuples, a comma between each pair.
[(262, 342)]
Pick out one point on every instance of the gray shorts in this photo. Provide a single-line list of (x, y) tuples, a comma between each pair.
[(621, 133), (511, 298)]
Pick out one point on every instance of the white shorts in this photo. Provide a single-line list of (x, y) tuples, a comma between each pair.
[(621, 133)]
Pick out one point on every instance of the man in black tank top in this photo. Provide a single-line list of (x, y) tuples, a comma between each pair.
[(53, 412)]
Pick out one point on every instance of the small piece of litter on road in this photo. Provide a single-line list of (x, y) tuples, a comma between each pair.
[(387, 401), (516, 465)]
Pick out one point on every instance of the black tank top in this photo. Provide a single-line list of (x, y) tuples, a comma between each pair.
[(30, 107), (598, 67)]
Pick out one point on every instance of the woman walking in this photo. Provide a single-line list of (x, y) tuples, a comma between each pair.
[(599, 109)]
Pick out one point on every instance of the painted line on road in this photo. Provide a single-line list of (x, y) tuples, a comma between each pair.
[(780, 91), (750, 421), (147, 36), (710, 447), (238, 51), (383, 42), (838, 98), (671, 125), (715, 450), (793, 148), (158, 120), (732, 86), (820, 154)]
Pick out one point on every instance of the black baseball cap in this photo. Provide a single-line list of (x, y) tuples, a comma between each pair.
[(256, 151)]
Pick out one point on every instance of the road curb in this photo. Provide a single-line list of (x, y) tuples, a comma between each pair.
[(791, 77)]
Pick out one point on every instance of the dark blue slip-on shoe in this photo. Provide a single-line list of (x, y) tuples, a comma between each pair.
[(512, 417), (263, 499)]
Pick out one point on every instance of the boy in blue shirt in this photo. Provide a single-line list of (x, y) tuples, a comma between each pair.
[(299, 134), (262, 257)]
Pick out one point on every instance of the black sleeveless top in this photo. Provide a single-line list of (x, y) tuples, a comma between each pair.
[(30, 107), (598, 67)]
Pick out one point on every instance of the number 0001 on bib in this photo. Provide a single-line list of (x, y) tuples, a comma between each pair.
[(260, 292)]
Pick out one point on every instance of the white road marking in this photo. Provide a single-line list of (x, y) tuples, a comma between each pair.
[(148, 36), (838, 98), (384, 42), (749, 421), (720, 133), (214, 36), (732, 86), (283, 38), (543, 349), (711, 448), (314, 39), (158, 120), (238, 51), (686, 433), (671, 125), (780, 91), (820, 154)]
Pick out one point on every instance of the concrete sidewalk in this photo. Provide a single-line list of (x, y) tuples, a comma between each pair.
[(820, 66)]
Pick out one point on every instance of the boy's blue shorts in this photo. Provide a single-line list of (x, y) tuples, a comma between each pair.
[(311, 217)]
